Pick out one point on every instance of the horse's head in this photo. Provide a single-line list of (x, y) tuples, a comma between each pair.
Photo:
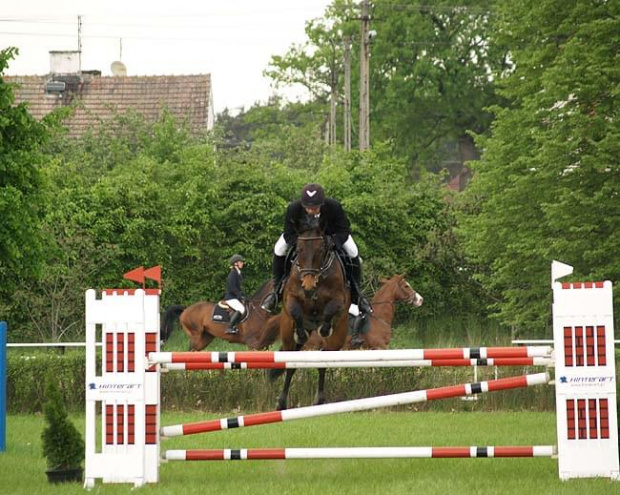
[(403, 291), (312, 250)]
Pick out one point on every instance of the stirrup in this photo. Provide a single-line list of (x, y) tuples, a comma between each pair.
[(356, 340), (232, 330), (270, 302)]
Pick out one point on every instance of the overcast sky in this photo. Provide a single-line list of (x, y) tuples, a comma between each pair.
[(233, 40)]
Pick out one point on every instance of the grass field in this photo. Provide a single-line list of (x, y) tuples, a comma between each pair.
[(23, 469)]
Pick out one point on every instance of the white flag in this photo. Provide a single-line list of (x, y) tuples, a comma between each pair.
[(559, 270)]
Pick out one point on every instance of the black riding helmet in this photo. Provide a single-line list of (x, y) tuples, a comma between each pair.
[(236, 257), (312, 195)]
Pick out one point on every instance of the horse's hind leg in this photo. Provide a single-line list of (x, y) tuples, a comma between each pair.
[(320, 394), (198, 341)]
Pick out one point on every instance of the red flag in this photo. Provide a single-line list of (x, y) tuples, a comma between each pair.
[(135, 275), (154, 273)]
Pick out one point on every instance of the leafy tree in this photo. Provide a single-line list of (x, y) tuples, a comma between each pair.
[(288, 134), (429, 73), (114, 198), (429, 77), (402, 228), (547, 186), (21, 184)]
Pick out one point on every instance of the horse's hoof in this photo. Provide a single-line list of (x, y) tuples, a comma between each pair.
[(325, 331), (281, 406), (356, 342), (301, 337)]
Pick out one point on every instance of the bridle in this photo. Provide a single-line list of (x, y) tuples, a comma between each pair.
[(410, 300), (326, 263)]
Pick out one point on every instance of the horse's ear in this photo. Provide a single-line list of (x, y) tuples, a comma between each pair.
[(383, 280)]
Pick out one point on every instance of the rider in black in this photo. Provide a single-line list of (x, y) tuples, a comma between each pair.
[(334, 222), (234, 293)]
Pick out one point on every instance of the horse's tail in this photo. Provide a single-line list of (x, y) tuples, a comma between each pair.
[(269, 333), (171, 314)]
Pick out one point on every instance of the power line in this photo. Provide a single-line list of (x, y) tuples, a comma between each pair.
[(233, 41)]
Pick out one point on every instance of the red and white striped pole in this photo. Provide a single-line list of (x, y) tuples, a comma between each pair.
[(355, 405), (358, 453), (348, 356), (525, 361)]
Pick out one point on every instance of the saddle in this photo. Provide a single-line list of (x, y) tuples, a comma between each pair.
[(222, 312)]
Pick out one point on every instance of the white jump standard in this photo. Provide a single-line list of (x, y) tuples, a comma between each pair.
[(127, 389)]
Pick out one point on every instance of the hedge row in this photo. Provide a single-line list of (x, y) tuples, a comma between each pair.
[(251, 390)]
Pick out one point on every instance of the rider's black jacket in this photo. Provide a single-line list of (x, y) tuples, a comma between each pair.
[(332, 220), (233, 285)]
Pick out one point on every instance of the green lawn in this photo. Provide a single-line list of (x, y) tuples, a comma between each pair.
[(23, 468)]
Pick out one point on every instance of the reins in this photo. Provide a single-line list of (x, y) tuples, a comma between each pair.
[(326, 263)]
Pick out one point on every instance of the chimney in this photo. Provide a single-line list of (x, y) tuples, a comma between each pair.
[(64, 62)]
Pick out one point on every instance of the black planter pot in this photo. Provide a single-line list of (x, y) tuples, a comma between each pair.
[(64, 475)]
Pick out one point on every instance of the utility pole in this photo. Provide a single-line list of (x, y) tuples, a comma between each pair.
[(364, 138), (347, 94), (334, 100), (79, 44)]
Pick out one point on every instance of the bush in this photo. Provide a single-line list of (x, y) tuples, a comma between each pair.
[(26, 375), (63, 446)]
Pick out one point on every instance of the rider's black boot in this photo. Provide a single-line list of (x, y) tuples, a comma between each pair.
[(278, 268), (356, 292), (232, 325)]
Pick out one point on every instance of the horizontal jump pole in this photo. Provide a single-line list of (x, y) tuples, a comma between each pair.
[(355, 405), (342, 356), (358, 453), (525, 361)]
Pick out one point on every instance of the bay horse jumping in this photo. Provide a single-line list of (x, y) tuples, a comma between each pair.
[(201, 329), (316, 298)]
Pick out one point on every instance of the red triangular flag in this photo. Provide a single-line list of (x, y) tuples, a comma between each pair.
[(154, 273), (135, 275)]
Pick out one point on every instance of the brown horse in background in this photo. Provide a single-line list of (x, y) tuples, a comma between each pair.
[(379, 334), (393, 290), (201, 329), (316, 298)]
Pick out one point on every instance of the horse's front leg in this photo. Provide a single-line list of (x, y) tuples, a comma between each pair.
[(320, 394), (332, 308), (296, 311)]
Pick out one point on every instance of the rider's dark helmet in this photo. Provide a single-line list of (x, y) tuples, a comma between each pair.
[(236, 257), (312, 195)]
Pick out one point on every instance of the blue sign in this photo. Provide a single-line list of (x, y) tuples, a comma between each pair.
[(3, 332)]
